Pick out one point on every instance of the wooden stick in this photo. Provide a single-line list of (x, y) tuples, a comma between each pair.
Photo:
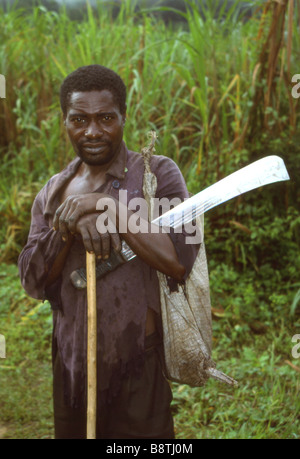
[(91, 346)]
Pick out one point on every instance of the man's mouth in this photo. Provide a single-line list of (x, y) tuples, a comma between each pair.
[(93, 147)]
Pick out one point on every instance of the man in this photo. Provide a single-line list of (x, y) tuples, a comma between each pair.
[(133, 395)]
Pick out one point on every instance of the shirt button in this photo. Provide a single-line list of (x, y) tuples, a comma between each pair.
[(116, 184)]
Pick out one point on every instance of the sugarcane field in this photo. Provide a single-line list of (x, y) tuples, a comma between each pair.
[(150, 222)]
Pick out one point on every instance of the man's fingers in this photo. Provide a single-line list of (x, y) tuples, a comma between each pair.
[(86, 239), (62, 211), (92, 242), (65, 211), (96, 243), (106, 246), (56, 217), (62, 224), (116, 242), (78, 206), (72, 209), (72, 218), (98, 239)]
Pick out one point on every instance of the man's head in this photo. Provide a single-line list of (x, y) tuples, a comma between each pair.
[(93, 101), (93, 78)]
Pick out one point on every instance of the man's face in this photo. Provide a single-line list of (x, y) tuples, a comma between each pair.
[(95, 126)]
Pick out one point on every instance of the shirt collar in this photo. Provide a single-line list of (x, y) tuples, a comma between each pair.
[(117, 168)]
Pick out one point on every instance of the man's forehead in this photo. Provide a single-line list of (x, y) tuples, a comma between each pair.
[(92, 101)]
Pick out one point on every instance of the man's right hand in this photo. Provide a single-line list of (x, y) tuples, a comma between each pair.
[(100, 244), (74, 207)]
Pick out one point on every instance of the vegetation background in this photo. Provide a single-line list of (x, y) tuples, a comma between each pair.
[(218, 90)]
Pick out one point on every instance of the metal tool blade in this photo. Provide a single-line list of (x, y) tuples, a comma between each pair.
[(262, 172)]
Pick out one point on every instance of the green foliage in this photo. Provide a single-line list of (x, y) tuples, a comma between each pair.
[(197, 87), (25, 374), (259, 409)]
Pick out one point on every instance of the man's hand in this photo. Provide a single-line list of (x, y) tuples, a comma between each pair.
[(70, 211), (100, 244)]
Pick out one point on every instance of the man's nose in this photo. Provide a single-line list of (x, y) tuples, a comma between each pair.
[(93, 130)]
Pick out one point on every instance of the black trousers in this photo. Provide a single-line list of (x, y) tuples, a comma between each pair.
[(141, 410)]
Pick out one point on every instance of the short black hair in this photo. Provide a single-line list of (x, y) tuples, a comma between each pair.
[(93, 78)]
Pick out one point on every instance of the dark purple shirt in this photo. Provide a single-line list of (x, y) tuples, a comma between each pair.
[(123, 296)]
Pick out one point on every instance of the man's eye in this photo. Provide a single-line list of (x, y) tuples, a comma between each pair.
[(107, 118), (78, 120)]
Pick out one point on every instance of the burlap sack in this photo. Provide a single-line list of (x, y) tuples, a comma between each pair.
[(186, 313)]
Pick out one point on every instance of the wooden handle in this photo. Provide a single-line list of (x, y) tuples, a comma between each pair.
[(91, 346)]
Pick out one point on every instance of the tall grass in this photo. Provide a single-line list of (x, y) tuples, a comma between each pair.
[(218, 93), (196, 87)]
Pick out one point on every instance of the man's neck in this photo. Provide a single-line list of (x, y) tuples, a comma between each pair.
[(96, 173)]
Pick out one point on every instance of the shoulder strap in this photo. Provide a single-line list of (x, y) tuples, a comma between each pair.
[(150, 180)]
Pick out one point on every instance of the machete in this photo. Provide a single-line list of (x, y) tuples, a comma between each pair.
[(267, 170)]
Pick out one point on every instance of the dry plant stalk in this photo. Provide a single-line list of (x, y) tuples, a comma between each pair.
[(267, 68), (271, 50)]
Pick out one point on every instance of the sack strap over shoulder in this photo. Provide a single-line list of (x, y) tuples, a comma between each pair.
[(150, 181)]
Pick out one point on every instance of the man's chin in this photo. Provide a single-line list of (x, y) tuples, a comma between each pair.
[(94, 162), (94, 159)]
